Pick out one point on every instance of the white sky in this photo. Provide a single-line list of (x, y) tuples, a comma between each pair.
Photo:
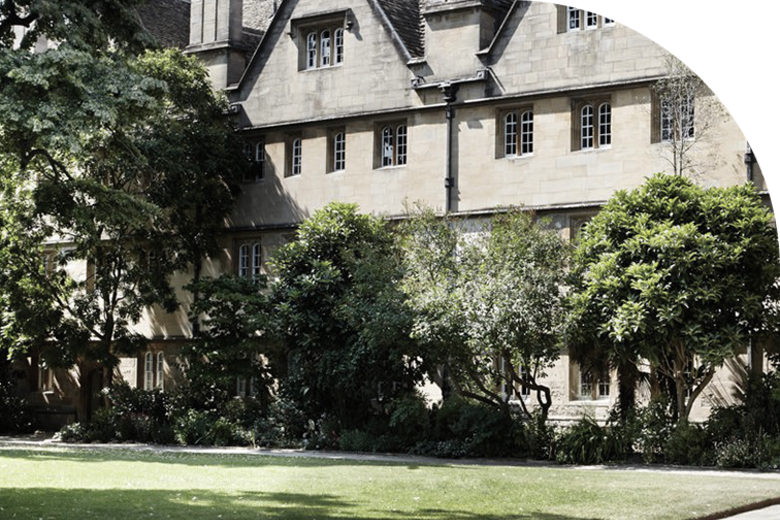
[(732, 46)]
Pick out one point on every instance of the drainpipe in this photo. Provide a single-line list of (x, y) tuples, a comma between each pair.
[(449, 92), (750, 160)]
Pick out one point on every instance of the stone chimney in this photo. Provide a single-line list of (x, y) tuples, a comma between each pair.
[(216, 32), (455, 30)]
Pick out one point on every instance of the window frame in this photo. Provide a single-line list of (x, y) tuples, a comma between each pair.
[(395, 135), (516, 135), (666, 119), (321, 42), (591, 16), (160, 372), (148, 370), (293, 155), (588, 134), (605, 124), (572, 19), (588, 388), (573, 14), (249, 258), (256, 154), (336, 158)]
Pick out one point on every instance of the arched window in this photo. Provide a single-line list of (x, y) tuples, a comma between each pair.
[(243, 260), (339, 152), (605, 124), (586, 127), (591, 20), (573, 18), (388, 150), (296, 157), (256, 260), (400, 145), (311, 50), (338, 44), (325, 48), (148, 371), (510, 134), (527, 133), (160, 370)]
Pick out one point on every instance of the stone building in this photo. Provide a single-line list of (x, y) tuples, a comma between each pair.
[(462, 105)]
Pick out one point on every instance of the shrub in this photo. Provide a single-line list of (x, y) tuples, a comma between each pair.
[(409, 420), (192, 427), (223, 432), (588, 443), (71, 433), (656, 427), (102, 427), (688, 444), (15, 414), (357, 440)]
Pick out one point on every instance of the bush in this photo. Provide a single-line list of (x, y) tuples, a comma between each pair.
[(588, 443), (357, 440), (409, 420), (71, 433), (224, 432), (102, 427), (688, 444), (192, 427), (655, 428), (15, 414)]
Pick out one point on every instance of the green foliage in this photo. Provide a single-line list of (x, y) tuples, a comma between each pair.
[(232, 341), (85, 137), (493, 293), (340, 317), (671, 272), (15, 414), (84, 24), (688, 444), (409, 419), (586, 442), (466, 429), (192, 428), (75, 432), (357, 440), (102, 426)]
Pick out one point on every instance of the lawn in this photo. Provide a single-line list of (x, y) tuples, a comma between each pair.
[(56, 483)]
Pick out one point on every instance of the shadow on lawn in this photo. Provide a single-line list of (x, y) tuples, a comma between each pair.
[(233, 460), (121, 504)]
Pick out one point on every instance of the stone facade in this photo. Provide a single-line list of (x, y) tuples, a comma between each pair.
[(404, 65), (495, 57)]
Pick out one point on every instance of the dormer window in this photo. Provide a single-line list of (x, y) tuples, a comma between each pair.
[(320, 41)]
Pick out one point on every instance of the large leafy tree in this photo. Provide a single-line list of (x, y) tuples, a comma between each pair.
[(125, 160), (488, 303), (340, 316), (678, 276)]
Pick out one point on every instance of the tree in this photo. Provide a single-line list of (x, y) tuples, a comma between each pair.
[(676, 275), (488, 303), (340, 316), (126, 161), (83, 24), (688, 117), (234, 340)]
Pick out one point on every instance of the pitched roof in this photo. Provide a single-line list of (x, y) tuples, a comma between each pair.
[(167, 20), (404, 16)]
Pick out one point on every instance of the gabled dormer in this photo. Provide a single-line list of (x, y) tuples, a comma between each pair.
[(455, 31)]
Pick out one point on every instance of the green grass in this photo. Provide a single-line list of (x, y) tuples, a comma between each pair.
[(119, 484)]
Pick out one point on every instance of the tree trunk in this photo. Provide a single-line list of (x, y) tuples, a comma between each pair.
[(628, 376)]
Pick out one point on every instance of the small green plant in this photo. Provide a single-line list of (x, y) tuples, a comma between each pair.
[(586, 442), (71, 433)]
